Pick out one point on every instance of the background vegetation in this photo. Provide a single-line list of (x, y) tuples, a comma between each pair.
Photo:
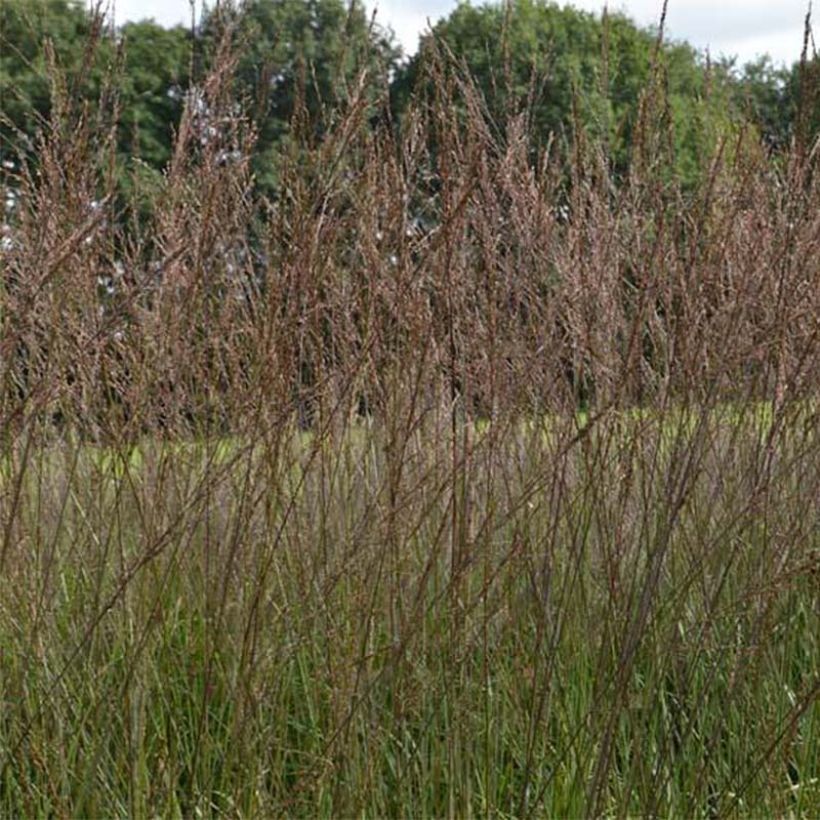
[(567, 68)]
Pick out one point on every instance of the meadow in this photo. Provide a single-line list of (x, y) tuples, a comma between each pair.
[(462, 479)]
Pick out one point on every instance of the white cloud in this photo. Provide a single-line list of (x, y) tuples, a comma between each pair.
[(742, 27), (745, 28), (410, 19), (165, 12)]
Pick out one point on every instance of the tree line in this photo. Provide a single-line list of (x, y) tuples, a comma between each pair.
[(296, 60)]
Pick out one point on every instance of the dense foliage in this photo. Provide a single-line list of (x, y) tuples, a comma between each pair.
[(300, 58), (574, 70), (25, 88), (567, 68)]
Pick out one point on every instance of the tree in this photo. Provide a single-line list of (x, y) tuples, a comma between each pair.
[(149, 82), (305, 53), (802, 93), (25, 88), (580, 65), (152, 89)]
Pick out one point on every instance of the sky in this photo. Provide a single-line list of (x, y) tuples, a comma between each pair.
[(742, 28)]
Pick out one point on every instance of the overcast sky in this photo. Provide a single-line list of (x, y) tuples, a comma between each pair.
[(745, 28)]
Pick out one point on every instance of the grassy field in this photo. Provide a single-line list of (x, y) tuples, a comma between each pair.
[(467, 477), (509, 623)]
